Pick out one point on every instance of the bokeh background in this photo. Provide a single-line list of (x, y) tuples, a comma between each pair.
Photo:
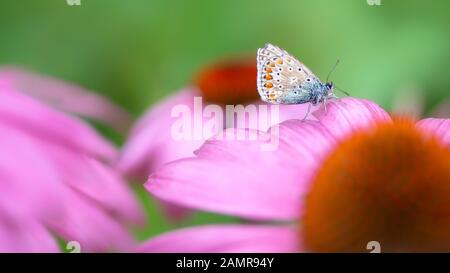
[(137, 52)]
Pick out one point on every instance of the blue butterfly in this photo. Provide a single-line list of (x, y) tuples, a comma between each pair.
[(282, 79)]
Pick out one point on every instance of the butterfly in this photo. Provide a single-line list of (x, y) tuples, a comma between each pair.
[(282, 79)]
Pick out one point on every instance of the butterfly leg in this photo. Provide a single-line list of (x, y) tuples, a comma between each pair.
[(331, 96), (307, 112)]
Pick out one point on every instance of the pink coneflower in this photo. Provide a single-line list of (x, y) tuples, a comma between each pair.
[(353, 176), (150, 144), (56, 181)]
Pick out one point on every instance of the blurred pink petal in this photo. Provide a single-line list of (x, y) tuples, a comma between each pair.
[(96, 181), (150, 144), (67, 97), (438, 127), (51, 176), (344, 116), (21, 233), (225, 239), (46, 123), (27, 175), (90, 225), (237, 177)]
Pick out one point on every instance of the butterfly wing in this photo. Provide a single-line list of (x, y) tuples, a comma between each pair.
[(282, 76)]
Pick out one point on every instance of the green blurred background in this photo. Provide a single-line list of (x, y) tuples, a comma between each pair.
[(138, 51)]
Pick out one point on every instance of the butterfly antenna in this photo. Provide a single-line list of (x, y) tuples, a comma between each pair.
[(332, 69)]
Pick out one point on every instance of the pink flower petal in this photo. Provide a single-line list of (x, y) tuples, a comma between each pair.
[(346, 115), (43, 122), (88, 224), (237, 177), (22, 233), (96, 181), (76, 198), (51, 180), (226, 239), (28, 178), (438, 127), (261, 116), (67, 97), (29, 193), (26, 237), (296, 111), (150, 144)]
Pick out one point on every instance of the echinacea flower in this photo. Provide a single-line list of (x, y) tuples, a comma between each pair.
[(354, 176), (56, 179), (151, 144)]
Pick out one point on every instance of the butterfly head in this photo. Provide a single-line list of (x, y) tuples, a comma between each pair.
[(329, 88)]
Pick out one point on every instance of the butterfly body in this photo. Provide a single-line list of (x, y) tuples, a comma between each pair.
[(282, 79)]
